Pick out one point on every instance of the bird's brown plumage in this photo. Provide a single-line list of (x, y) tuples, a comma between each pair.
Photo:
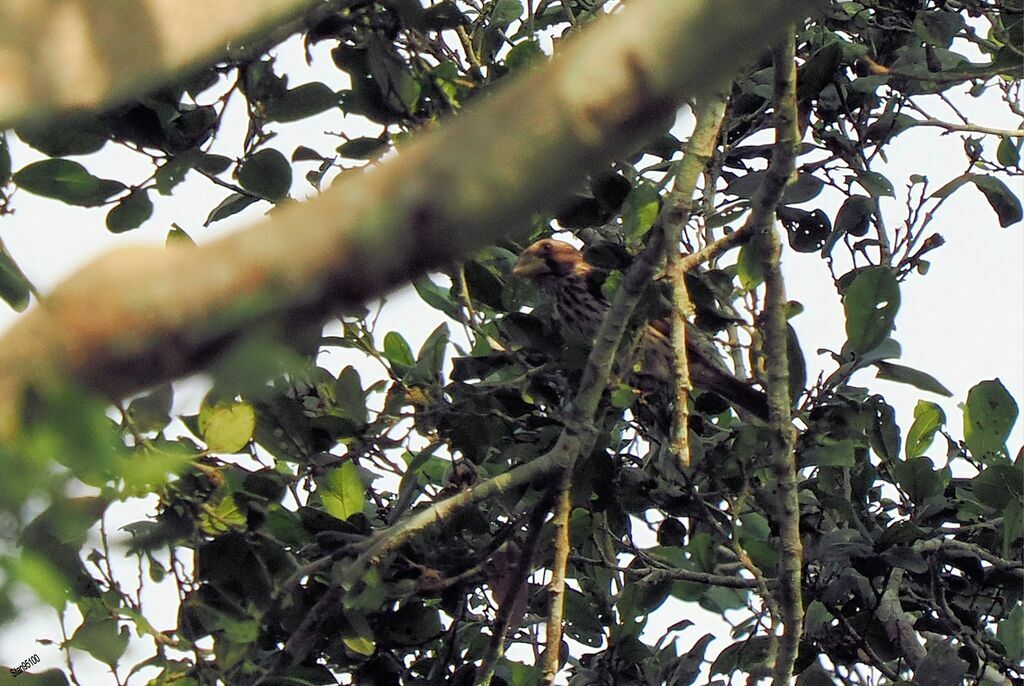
[(560, 270)]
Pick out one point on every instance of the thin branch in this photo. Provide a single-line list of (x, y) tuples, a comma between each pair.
[(699, 151), (515, 593), (551, 658), (774, 331)]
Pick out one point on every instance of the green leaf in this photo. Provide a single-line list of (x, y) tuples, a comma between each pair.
[(363, 148), (871, 302), (213, 164), (917, 477), (227, 427), (1006, 203), (1011, 633), (66, 181), (876, 184), (1008, 152), (1013, 525), (398, 353), (131, 212), (301, 102), (233, 204), (102, 639), (749, 266), (913, 377), (838, 454), (640, 210), (431, 356), (5, 160), (940, 667), (360, 645), (989, 415), (928, 419), (341, 491), (350, 397), (178, 236), (524, 54), (152, 411), (438, 297), (997, 486), (854, 216), (36, 572), (505, 12), (173, 171), (15, 287), (64, 135), (266, 173)]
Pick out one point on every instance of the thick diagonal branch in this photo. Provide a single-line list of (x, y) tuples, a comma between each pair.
[(140, 316)]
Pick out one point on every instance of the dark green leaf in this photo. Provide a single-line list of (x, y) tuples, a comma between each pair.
[(362, 148), (431, 355), (914, 377), (5, 160), (928, 419), (871, 302), (173, 171), (213, 164), (1006, 204), (15, 287), (876, 184), (301, 102), (854, 216), (940, 667), (1011, 633), (989, 415), (1008, 152), (233, 204), (102, 639), (917, 477), (131, 212), (350, 396), (505, 12), (997, 486), (438, 297), (64, 135), (151, 412), (266, 173), (839, 454), (67, 181), (804, 189)]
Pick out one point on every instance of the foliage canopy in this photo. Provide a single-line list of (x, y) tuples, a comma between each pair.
[(271, 495)]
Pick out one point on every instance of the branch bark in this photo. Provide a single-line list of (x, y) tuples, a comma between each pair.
[(782, 460), (86, 54), (140, 316)]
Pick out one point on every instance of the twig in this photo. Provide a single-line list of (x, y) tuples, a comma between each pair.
[(515, 590)]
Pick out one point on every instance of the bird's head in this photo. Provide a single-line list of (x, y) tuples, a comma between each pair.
[(548, 259)]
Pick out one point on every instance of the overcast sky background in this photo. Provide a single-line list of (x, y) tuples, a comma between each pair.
[(963, 322)]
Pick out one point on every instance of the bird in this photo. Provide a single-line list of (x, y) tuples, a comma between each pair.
[(559, 269)]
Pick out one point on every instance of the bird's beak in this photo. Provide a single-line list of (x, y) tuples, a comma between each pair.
[(529, 266)]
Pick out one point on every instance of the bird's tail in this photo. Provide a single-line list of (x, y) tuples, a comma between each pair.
[(741, 394)]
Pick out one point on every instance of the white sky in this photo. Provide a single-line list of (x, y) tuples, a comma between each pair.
[(963, 322)]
